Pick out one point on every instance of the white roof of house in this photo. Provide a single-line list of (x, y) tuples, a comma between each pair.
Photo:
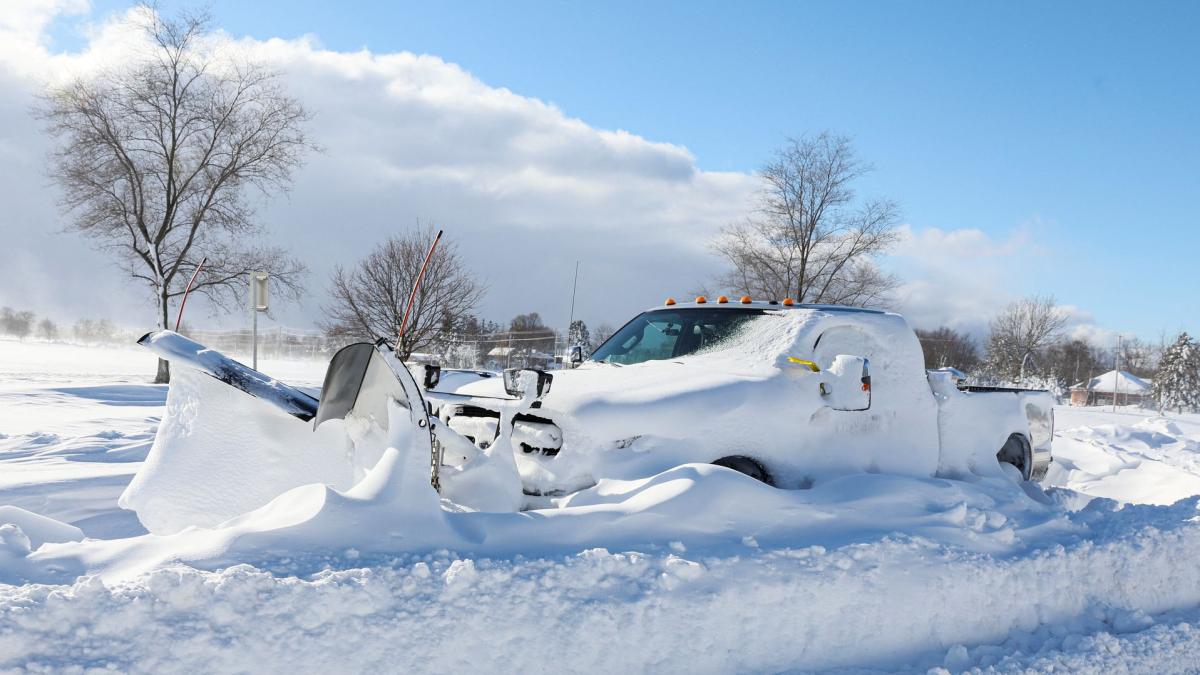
[(1109, 382)]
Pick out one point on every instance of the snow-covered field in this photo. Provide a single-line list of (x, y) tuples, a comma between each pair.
[(695, 569)]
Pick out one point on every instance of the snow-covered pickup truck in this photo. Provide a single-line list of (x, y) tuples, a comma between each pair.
[(790, 394)]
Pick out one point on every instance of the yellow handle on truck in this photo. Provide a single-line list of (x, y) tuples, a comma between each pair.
[(804, 362)]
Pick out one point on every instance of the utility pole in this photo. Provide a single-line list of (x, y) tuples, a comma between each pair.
[(1117, 374), (571, 320)]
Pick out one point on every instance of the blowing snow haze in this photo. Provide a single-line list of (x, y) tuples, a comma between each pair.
[(526, 188)]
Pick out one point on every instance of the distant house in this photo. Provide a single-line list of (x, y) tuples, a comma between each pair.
[(1128, 389)]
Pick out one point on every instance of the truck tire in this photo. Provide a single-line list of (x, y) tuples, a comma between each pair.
[(1017, 452), (746, 465)]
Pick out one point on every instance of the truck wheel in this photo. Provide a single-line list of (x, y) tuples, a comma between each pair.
[(1016, 451), (743, 464)]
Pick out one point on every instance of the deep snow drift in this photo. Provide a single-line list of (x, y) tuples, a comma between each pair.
[(695, 568)]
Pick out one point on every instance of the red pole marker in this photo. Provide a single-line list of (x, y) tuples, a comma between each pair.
[(413, 296), (183, 302)]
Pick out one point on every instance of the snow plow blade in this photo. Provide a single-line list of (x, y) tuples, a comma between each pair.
[(361, 380), (180, 350)]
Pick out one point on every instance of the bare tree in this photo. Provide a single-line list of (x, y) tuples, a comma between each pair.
[(946, 347), (47, 329), (368, 299), (16, 322), (528, 334), (809, 237), (1071, 362), (600, 335), (155, 160), (1138, 357), (1022, 332)]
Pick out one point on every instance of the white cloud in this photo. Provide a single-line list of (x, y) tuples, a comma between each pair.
[(955, 277), (28, 18), (962, 277), (968, 243), (1082, 325), (524, 188)]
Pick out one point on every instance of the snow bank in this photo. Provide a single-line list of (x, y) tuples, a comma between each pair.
[(1128, 456), (900, 601), (39, 529), (21, 533)]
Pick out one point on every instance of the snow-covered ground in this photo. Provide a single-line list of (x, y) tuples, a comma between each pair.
[(695, 569)]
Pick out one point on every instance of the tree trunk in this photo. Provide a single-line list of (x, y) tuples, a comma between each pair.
[(163, 376)]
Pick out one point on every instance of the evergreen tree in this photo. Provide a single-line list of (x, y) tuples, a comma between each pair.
[(578, 334), (1177, 382)]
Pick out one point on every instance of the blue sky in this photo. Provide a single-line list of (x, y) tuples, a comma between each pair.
[(1076, 124)]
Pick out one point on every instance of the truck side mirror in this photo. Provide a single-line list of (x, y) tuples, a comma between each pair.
[(433, 375), (847, 385), (576, 355), (517, 380)]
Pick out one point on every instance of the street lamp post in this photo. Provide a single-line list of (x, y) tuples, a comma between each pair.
[(258, 303)]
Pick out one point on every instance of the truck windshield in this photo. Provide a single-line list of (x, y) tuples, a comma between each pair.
[(672, 333)]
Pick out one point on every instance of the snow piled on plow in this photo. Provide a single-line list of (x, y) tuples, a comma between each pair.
[(221, 453)]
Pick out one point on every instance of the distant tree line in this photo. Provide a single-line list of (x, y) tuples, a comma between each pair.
[(1026, 345), (23, 324), (524, 341)]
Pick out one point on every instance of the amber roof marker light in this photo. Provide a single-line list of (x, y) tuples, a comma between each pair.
[(721, 299), (788, 302), (669, 302), (745, 300), (700, 299)]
